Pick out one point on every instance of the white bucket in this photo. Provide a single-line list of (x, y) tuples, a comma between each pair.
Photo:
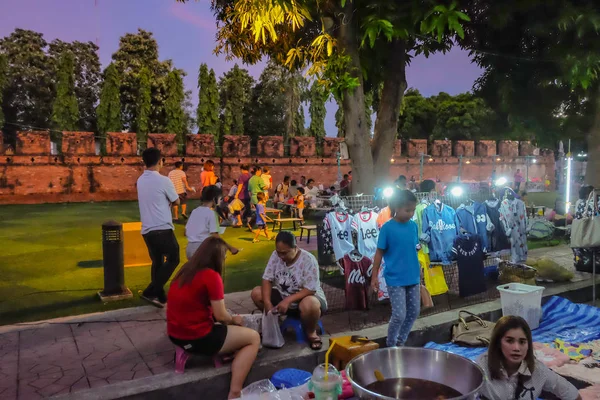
[(522, 300)]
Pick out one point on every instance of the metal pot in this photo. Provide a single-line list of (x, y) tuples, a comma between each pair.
[(438, 366)]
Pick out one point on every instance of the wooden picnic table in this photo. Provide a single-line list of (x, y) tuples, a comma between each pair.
[(280, 221)]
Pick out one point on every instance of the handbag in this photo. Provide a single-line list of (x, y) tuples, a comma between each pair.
[(585, 232), (426, 300), (472, 330)]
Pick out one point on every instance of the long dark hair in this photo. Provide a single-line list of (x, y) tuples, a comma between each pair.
[(210, 254), (495, 356)]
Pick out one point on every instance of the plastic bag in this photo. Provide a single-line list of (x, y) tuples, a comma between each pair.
[(271, 333), (236, 205), (258, 388), (252, 321)]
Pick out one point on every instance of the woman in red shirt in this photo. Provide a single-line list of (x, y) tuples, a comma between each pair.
[(196, 301)]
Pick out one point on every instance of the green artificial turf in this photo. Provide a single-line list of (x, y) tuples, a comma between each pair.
[(51, 259)]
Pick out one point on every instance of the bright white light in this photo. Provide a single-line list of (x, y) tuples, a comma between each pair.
[(457, 191), (534, 160), (501, 181), (388, 192), (568, 194), (392, 160)]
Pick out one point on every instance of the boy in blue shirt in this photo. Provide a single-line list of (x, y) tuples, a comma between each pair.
[(398, 244)]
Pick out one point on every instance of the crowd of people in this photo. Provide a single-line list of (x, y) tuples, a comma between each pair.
[(197, 318)]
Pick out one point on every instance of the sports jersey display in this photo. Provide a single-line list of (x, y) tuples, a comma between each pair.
[(340, 225), (439, 231), (365, 224)]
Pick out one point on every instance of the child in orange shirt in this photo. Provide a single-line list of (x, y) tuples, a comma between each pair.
[(299, 200), (208, 177)]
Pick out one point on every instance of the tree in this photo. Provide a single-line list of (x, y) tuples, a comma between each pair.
[(352, 46), (87, 77), (29, 88), (545, 80), (3, 79), (144, 105), (317, 110), (294, 86), (339, 122), (460, 117), (207, 113), (65, 112), (174, 107), (136, 51), (267, 116), (235, 88), (109, 109)]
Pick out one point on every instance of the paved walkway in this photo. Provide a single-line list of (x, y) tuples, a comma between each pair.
[(66, 355)]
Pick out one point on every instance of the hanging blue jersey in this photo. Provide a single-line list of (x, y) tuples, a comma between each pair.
[(483, 225), (440, 228), (466, 219)]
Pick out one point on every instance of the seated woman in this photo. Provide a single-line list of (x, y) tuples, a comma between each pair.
[(204, 222), (291, 286), (511, 370), (196, 300)]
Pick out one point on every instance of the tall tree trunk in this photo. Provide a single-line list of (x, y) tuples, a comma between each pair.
[(386, 124), (353, 103), (592, 173)]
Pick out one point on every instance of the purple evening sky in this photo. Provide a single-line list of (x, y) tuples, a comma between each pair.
[(185, 34)]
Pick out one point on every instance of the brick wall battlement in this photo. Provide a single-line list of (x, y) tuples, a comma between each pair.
[(31, 174)]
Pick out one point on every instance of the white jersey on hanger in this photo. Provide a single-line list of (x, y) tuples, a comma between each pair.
[(340, 225), (365, 224)]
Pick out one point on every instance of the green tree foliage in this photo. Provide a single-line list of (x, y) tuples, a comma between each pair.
[(138, 50), (460, 117), (235, 89), (352, 46), (3, 79), (177, 122), (294, 86), (87, 77), (109, 109), (543, 74), (29, 88), (144, 105), (318, 97), (207, 114), (65, 111), (266, 116)]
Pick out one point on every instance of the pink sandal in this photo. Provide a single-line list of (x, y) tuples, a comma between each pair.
[(181, 358)]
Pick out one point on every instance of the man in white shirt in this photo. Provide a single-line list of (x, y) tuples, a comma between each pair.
[(179, 179), (156, 194)]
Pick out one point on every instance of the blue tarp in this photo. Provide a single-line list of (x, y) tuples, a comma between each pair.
[(561, 319)]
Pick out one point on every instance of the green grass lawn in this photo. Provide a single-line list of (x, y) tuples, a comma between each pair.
[(51, 255)]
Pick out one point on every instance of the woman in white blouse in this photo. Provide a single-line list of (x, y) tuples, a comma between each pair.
[(511, 370)]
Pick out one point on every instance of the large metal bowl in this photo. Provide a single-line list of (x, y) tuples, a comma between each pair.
[(413, 362)]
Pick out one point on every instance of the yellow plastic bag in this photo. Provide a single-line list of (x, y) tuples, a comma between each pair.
[(434, 277)]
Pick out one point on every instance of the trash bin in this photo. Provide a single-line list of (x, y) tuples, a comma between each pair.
[(112, 259)]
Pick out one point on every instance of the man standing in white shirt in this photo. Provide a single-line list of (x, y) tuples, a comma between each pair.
[(179, 179), (156, 194)]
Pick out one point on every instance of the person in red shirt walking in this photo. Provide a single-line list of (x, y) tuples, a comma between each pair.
[(196, 300)]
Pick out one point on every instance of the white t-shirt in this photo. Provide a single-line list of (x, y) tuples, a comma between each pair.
[(365, 224), (155, 195), (303, 274), (202, 222), (340, 226)]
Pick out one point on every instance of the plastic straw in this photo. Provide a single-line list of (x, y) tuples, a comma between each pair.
[(327, 359)]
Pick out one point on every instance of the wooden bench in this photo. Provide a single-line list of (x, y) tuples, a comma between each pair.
[(280, 221), (308, 229)]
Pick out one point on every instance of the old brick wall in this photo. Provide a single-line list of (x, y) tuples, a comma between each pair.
[(32, 175)]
